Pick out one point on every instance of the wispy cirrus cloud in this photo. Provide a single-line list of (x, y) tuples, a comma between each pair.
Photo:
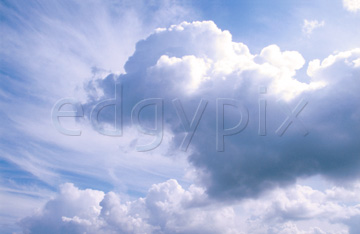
[(48, 51)]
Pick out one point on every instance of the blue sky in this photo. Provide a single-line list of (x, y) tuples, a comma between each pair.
[(301, 51)]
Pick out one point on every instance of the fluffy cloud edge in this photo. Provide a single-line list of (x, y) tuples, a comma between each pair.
[(169, 208)]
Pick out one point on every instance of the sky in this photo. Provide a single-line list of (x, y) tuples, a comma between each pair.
[(180, 116)]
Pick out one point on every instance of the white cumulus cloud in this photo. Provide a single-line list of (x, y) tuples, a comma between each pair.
[(351, 5), (169, 208)]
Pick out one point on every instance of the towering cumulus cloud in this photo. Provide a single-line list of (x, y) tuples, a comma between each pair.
[(194, 61)]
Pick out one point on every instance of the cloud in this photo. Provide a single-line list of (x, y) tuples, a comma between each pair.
[(194, 61), (189, 61), (71, 202), (169, 208), (351, 5), (310, 25), (71, 44), (47, 52)]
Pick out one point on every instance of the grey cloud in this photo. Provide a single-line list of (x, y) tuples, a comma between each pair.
[(194, 61)]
